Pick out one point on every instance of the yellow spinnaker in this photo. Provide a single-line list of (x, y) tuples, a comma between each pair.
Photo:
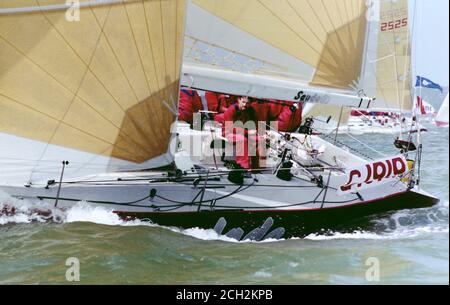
[(106, 84)]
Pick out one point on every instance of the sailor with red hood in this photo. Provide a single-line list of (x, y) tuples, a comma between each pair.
[(190, 103)]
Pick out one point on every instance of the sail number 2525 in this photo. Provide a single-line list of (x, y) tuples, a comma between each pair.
[(396, 24)]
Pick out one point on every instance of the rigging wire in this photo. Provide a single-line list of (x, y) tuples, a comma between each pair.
[(342, 144), (329, 175), (365, 144), (179, 204)]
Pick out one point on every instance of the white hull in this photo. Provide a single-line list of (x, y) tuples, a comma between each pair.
[(130, 191), (261, 191)]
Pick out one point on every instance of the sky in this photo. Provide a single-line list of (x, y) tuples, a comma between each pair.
[(431, 40)]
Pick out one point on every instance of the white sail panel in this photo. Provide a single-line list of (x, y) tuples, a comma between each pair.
[(103, 87)]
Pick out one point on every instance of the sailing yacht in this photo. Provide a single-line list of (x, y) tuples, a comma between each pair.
[(377, 121), (384, 122), (88, 109)]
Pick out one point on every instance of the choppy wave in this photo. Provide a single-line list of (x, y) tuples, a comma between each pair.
[(403, 233), (13, 210), (84, 212), (400, 225)]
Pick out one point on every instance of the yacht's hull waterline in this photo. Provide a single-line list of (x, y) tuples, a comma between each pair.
[(299, 206), (296, 222)]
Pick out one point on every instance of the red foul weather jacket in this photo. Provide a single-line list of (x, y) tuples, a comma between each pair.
[(190, 103), (290, 117)]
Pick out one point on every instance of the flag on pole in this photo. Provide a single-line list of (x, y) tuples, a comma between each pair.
[(426, 83)]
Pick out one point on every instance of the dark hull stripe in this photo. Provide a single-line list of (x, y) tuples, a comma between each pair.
[(296, 222)]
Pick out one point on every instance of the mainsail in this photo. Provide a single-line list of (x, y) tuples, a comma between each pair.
[(94, 82), (276, 48)]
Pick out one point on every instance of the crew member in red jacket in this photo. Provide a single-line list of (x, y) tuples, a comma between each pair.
[(190, 103), (290, 117), (276, 107), (219, 103), (247, 112)]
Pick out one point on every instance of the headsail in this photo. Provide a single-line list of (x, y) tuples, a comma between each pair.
[(386, 66), (96, 84), (386, 70), (274, 48)]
